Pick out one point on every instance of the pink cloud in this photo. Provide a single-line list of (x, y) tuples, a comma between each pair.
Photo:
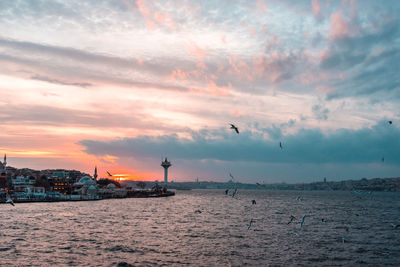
[(195, 50), (178, 74), (213, 89), (239, 113), (316, 8), (223, 39), (261, 5), (154, 17), (325, 89), (147, 14), (338, 27)]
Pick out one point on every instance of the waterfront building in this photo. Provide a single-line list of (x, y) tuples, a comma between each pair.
[(3, 172), (22, 181), (35, 192)]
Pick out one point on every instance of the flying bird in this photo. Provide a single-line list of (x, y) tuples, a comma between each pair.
[(226, 191), (250, 224), (395, 226), (234, 128), (253, 202), (390, 122), (230, 174), (234, 192), (280, 145), (302, 220), (9, 200), (291, 219), (109, 174)]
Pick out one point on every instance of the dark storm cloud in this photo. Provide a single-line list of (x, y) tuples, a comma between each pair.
[(365, 145)]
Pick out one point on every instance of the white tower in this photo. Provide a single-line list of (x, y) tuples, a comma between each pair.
[(166, 164)]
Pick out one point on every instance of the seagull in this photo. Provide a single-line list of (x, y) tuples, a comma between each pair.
[(302, 220), (230, 174), (197, 211), (291, 219), (298, 198), (234, 192), (253, 202), (226, 191), (343, 239), (234, 128), (9, 200), (296, 233), (250, 224), (390, 122), (395, 226), (258, 184), (109, 174), (280, 145)]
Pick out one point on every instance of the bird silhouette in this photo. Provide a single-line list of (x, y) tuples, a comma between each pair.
[(109, 174), (250, 224), (9, 200), (234, 128), (390, 122), (291, 219), (280, 145), (302, 220)]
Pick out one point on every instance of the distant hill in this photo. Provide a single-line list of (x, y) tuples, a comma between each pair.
[(375, 184)]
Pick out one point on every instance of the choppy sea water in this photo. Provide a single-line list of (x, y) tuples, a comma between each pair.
[(172, 232)]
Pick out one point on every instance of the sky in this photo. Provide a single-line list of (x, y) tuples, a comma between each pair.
[(121, 84)]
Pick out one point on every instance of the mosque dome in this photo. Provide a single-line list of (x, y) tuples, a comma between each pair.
[(85, 180), (111, 185)]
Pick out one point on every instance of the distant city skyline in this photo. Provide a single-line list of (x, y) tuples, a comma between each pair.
[(122, 84)]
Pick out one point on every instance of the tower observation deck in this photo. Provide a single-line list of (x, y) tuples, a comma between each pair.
[(165, 164)]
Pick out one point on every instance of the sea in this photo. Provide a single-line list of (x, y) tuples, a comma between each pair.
[(206, 228)]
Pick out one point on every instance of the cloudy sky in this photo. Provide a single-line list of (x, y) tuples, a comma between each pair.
[(122, 83)]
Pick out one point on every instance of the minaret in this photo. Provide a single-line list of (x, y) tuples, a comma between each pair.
[(166, 164), (95, 173), (5, 161)]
